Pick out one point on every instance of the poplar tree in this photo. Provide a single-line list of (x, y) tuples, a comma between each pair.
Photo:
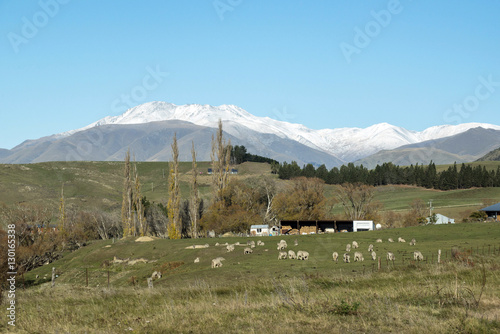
[(127, 199), (62, 212), (221, 156), (195, 198), (173, 205), (139, 208)]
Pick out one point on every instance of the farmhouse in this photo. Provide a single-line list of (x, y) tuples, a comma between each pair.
[(325, 226), (440, 219), (492, 211)]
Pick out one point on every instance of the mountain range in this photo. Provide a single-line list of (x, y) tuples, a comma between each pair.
[(148, 130)]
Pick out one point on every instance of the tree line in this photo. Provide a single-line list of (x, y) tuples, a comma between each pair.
[(454, 177)]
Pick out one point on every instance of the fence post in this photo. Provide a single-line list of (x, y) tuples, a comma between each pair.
[(87, 277), (439, 256), (53, 276), (379, 263), (150, 282), (108, 278)]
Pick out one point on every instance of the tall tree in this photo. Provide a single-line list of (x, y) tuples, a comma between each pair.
[(194, 210), (221, 156), (355, 198), (127, 199), (139, 207), (62, 212), (173, 206)]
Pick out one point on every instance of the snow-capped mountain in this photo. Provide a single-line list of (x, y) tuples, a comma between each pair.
[(346, 144)]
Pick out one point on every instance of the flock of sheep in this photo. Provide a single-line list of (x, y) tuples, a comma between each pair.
[(304, 255), (358, 256)]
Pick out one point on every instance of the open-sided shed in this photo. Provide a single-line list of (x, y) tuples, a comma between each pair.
[(493, 211), (325, 226)]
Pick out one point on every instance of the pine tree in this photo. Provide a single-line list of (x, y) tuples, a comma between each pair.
[(173, 206), (195, 198)]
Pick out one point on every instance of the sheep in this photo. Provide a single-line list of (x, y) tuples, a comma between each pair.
[(291, 255), (390, 256), (282, 256), (217, 244), (413, 242), (374, 256), (296, 242), (302, 255), (354, 245), (217, 262), (401, 239), (390, 240), (237, 243), (417, 256), (247, 250), (347, 258), (251, 243), (348, 248), (282, 245), (370, 248), (197, 260), (335, 256), (230, 248), (358, 257), (156, 275), (379, 240), (260, 243)]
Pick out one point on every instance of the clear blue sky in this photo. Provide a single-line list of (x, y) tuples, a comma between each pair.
[(63, 67)]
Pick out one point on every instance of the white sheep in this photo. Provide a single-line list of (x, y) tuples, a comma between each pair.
[(417, 256), (390, 240), (390, 256), (251, 243), (217, 244), (374, 256), (348, 247), (230, 248), (292, 255), (347, 258), (237, 243), (282, 256), (260, 243), (355, 245), (282, 245), (217, 262), (358, 257), (302, 255), (296, 242), (401, 239), (413, 242), (156, 275), (370, 248), (379, 240), (197, 260), (335, 256), (247, 250)]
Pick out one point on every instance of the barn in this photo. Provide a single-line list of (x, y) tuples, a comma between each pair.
[(325, 226), (493, 211)]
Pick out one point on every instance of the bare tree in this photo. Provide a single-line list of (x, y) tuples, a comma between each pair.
[(221, 156), (127, 202), (139, 208), (174, 227), (195, 198), (355, 198)]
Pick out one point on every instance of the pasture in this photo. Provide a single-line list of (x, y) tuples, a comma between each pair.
[(259, 293)]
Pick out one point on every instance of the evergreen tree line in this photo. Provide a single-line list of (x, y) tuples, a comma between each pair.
[(454, 177), (240, 155)]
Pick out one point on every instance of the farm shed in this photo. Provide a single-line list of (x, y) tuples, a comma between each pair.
[(326, 226), (492, 211), (440, 219)]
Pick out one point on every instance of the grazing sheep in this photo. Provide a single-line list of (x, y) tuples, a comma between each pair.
[(156, 275), (247, 250), (413, 242), (417, 256), (302, 255), (401, 239), (347, 258), (390, 240), (370, 248), (197, 260), (282, 245), (355, 245), (374, 256), (216, 244), (217, 262), (335, 256), (282, 256), (296, 242), (348, 248), (237, 243), (390, 256), (260, 243), (230, 248), (291, 255), (379, 240), (251, 243), (358, 257)]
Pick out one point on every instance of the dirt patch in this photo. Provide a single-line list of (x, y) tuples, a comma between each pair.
[(144, 239)]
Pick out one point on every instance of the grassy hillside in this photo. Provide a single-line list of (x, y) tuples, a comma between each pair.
[(491, 156), (89, 185), (259, 293)]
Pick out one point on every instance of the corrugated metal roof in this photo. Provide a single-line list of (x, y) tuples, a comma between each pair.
[(494, 207), (259, 226)]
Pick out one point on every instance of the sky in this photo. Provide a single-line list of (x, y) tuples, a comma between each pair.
[(325, 64)]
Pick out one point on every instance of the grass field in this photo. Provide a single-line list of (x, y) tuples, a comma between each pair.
[(258, 293)]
